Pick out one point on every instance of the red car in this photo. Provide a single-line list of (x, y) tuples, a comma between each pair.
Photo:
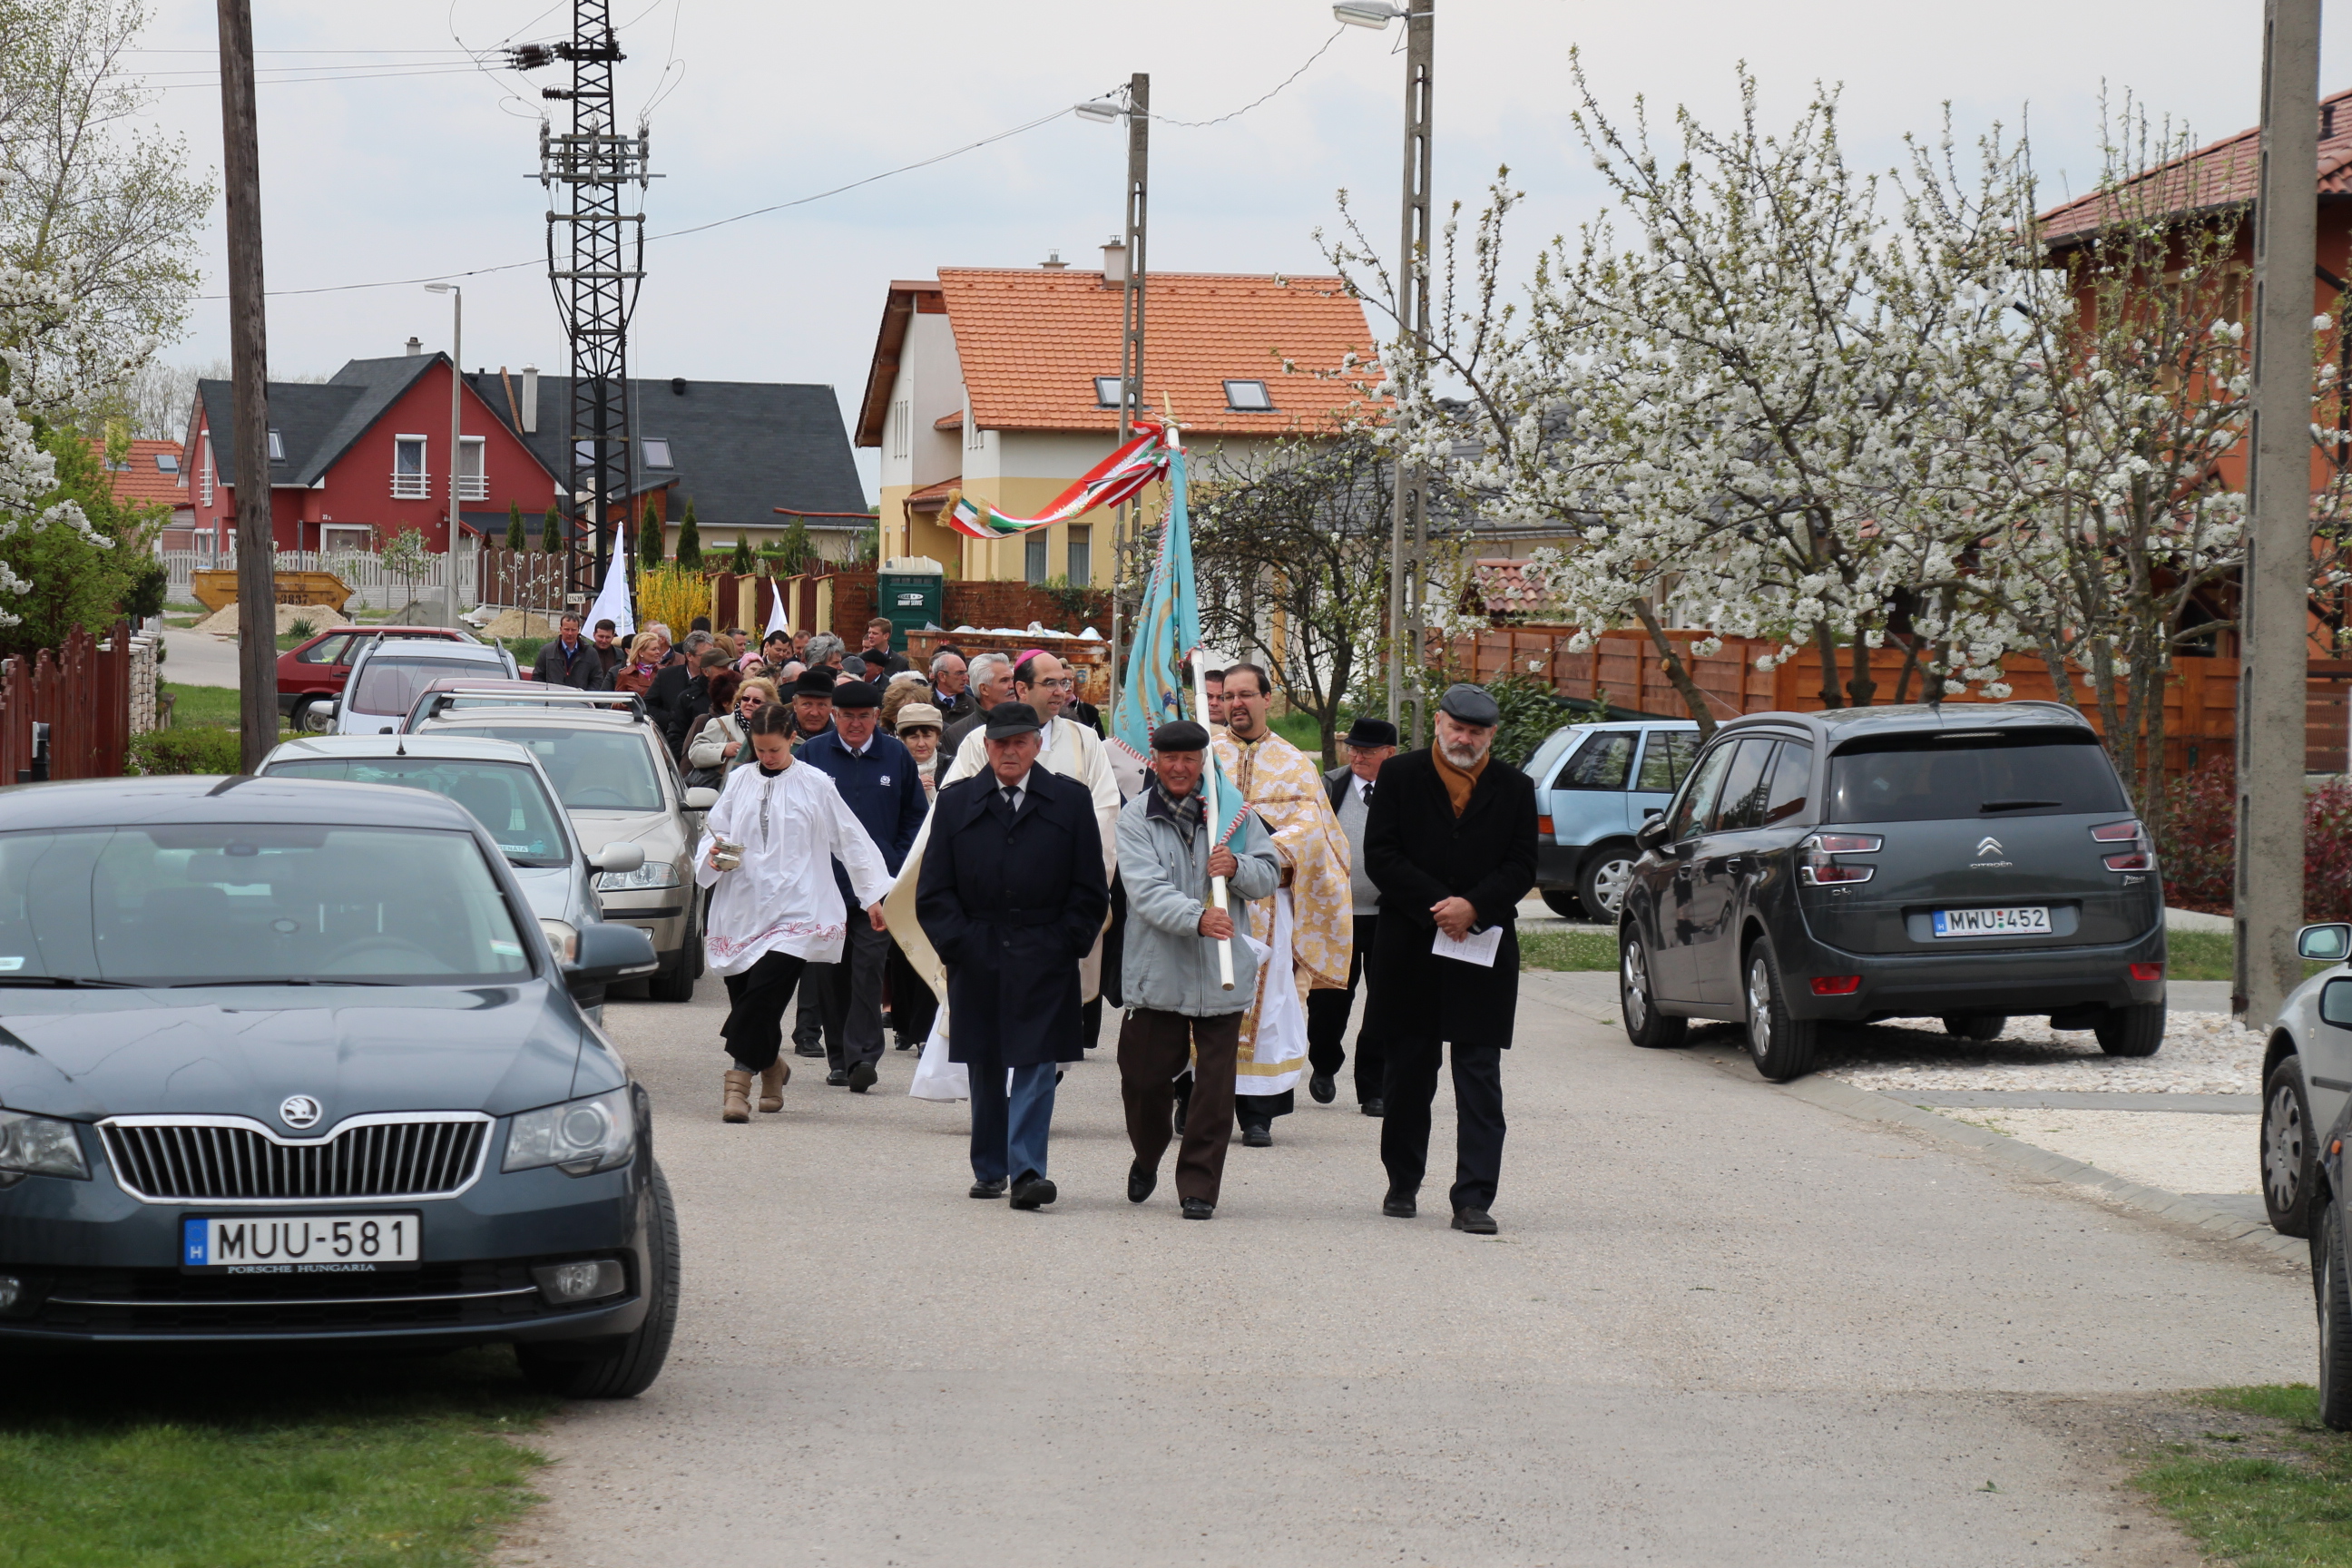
[(320, 667)]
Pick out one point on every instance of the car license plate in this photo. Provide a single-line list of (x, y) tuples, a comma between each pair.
[(300, 1244), (2029, 920)]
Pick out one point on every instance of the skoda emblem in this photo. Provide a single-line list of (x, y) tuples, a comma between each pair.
[(1988, 845), (298, 1112)]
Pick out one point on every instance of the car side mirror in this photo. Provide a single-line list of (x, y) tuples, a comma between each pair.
[(2335, 1003), (2329, 943), (618, 857), (701, 798), (1653, 831), (607, 952)]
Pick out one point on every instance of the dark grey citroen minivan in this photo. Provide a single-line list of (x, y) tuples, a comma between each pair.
[(1971, 863)]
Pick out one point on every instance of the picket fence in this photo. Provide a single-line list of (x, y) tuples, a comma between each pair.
[(374, 585)]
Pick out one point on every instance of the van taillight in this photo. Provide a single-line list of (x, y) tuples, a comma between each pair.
[(2117, 833), (2137, 861)]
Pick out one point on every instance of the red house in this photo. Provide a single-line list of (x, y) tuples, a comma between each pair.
[(356, 458)]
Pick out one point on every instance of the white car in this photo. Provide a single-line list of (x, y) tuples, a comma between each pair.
[(2306, 1081), (388, 677)]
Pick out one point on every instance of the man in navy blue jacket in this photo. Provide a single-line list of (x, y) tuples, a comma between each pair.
[(876, 776)]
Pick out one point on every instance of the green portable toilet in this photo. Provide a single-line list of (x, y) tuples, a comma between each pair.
[(912, 590)]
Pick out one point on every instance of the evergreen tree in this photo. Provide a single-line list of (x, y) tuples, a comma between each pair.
[(689, 539), (742, 566), (550, 530), (515, 540), (650, 539)]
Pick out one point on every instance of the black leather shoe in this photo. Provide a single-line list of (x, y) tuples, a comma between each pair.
[(1139, 1183), (1477, 1222), (1258, 1137), (1034, 1193), (1399, 1205), (808, 1050), (1320, 1086), (1375, 1108), (862, 1077), (838, 1078), (994, 1189), (1199, 1208)]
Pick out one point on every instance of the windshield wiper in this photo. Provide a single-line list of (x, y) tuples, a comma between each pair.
[(268, 980), (2015, 805), (69, 982)]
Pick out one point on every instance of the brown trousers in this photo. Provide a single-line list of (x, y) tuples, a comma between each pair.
[(1153, 1048)]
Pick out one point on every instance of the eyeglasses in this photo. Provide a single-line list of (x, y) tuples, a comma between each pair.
[(1058, 683)]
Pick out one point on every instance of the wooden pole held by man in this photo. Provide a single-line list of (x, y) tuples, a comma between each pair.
[(1216, 816)]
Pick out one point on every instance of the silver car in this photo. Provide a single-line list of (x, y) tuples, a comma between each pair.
[(388, 676), (2306, 1081), (615, 774)]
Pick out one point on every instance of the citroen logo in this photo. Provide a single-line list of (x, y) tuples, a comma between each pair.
[(1988, 845), (298, 1112)]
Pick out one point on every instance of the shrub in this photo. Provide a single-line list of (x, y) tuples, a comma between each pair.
[(515, 537), (550, 531), (2198, 839), (689, 539), (652, 538), (740, 562), (673, 596), (198, 749)]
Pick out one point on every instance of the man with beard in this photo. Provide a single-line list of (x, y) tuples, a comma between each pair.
[(1449, 841)]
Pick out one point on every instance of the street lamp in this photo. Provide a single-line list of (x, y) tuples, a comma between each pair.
[(1101, 110), (457, 388), (1374, 14)]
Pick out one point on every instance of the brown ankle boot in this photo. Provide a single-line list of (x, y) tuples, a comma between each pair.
[(735, 1102), (772, 1079)]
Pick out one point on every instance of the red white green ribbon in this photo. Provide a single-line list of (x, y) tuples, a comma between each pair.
[(1116, 478)]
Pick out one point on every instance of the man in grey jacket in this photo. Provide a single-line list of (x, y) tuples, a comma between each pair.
[(1176, 1004)]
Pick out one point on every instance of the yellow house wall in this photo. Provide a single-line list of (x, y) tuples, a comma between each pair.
[(1005, 560)]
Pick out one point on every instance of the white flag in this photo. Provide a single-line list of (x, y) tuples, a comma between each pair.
[(612, 599), (777, 621)]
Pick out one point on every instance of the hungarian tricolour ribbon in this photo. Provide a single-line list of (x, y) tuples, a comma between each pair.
[(1115, 479)]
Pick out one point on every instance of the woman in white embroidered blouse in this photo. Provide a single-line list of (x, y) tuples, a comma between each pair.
[(778, 910)]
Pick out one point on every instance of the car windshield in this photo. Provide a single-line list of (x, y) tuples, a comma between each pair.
[(505, 797), (216, 903), (1988, 774), (600, 768), (391, 684)]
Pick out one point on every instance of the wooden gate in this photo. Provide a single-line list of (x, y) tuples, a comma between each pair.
[(82, 692)]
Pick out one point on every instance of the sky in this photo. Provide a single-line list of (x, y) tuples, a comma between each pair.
[(425, 170)]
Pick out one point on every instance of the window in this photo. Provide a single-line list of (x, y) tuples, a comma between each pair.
[(472, 483), (1247, 397), (390, 686), (1984, 776), (902, 419), (1697, 802), (1793, 775), (409, 480), (505, 797), (327, 650), (277, 448), (205, 478), (1741, 803), (1667, 760), (1081, 554), (1106, 392), (1033, 556), (1601, 763), (335, 536), (657, 451), (167, 462), (602, 769)]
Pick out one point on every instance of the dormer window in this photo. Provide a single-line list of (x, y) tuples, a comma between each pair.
[(1248, 397), (657, 451), (1106, 392), (276, 446), (167, 462)]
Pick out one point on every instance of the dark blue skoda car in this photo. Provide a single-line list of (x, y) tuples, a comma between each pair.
[(284, 1059)]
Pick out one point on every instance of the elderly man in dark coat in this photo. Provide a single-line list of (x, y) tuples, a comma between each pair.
[(1012, 896), (1449, 841)]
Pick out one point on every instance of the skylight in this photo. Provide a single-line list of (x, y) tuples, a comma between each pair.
[(1247, 397), (657, 449), (167, 462), (277, 448), (1106, 392)]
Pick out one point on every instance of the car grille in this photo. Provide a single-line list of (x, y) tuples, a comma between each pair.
[(219, 1160)]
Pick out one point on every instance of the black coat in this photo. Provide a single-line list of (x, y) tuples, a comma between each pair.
[(673, 695), (583, 672), (1011, 906), (1418, 853)]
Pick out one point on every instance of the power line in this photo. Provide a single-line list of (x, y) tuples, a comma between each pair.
[(1244, 109)]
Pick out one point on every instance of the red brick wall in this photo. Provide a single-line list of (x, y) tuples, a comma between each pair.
[(1016, 604)]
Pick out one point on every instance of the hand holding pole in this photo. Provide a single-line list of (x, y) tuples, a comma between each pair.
[(1213, 816)]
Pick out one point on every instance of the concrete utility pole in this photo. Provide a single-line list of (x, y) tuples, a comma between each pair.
[(2275, 602), (257, 548), (1126, 522), (1408, 519), (457, 443)]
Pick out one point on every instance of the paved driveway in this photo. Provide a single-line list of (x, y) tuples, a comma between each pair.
[(1720, 1326)]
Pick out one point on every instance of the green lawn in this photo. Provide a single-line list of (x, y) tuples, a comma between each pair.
[(2199, 954), (1302, 731), (2266, 1486), (213, 705), (253, 1462), (1568, 950)]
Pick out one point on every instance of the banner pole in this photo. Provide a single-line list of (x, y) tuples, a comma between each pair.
[(1215, 817)]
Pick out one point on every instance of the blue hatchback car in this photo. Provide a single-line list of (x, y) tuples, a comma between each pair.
[(1594, 784)]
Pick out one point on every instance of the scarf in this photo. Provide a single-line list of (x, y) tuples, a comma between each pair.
[(1458, 781), (1186, 813)]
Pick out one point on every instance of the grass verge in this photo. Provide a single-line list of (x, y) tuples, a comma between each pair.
[(213, 705), (2266, 1486), (195, 1462), (1568, 950)]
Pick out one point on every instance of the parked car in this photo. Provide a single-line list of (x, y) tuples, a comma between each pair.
[(2331, 1281), (386, 677), (1594, 785), (2306, 1079), (510, 794), (291, 1060), (615, 774), (453, 695), (1962, 862), (312, 672)]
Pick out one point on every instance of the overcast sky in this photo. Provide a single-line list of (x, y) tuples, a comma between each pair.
[(424, 172)]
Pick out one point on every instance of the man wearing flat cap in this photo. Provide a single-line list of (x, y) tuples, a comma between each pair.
[(1369, 743), (1450, 842)]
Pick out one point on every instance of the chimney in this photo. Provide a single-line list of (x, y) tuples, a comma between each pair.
[(415, 347), (1114, 262), (1053, 262), (530, 400)]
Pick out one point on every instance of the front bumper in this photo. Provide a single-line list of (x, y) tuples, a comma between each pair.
[(659, 913), (2019, 983), (1557, 865)]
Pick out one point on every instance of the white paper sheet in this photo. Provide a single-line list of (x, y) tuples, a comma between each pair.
[(1478, 947)]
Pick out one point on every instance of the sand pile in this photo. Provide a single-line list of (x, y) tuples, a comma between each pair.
[(225, 623), (519, 624)]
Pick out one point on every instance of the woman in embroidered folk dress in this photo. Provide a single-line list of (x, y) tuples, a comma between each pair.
[(778, 910)]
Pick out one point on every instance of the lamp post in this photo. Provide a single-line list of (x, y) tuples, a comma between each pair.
[(457, 393)]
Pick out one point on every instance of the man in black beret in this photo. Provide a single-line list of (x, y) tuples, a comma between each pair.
[(1369, 743), (1449, 841)]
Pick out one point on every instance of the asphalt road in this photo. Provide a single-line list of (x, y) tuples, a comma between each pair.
[(1720, 1326)]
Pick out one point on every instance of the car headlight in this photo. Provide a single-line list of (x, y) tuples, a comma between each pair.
[(577, 1137), (563, 937), (38, 1146), (652, 874)]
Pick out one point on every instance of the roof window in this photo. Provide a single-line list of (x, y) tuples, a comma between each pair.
[(167, 462), (1106, 392), (657, 451), (276, 446), (1248, 397)]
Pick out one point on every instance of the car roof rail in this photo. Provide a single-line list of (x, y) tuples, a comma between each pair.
[(443, 700)]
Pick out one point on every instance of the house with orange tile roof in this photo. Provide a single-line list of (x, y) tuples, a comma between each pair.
[(1002, 383), (149, 475)]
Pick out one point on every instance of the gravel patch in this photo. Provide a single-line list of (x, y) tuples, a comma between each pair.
[(2203, 1053), (2180, 1152)]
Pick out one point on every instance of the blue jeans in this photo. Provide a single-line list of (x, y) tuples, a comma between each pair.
[(1009, 1129)]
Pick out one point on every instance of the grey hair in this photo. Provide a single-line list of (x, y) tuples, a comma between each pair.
[(985, 667), (824, 648), (697, 640), (939, 661)]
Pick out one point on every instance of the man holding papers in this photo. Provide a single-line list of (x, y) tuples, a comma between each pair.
[(1449, 841)]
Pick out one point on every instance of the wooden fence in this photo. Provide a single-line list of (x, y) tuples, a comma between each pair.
[(82, 692), (2200, 703)]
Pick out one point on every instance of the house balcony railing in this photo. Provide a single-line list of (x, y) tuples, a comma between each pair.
[(473, 487), (411, 487)]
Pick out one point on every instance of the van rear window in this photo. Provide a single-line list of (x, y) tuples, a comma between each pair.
[(1987, 775)]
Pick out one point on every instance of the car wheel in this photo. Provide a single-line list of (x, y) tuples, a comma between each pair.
[(1975, 1025), (2134, 1029), (675, 983), (628, 1366), (1608, 872), (2290, 1150), (1644, 1025), (2332, 1294), (1780, 1046), (1562, 903)]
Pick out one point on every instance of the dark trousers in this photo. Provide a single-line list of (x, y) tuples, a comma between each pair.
[(852, 996), (808, 1025), (754, 1030), (1010, 1127), (1477, 1117), (1152, 1049), (1327, 1024), (913, 1008)]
